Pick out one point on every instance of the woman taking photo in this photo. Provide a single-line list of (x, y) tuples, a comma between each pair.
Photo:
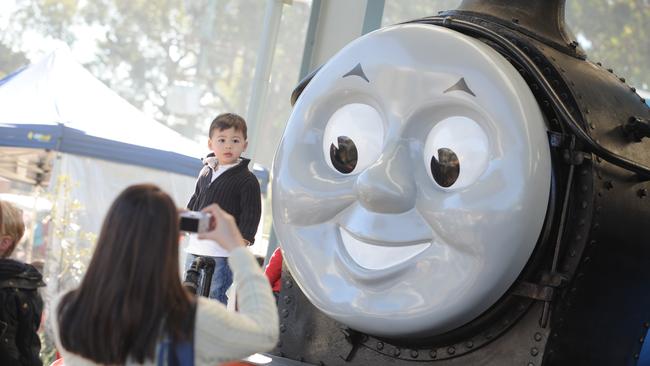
[(132, 309)]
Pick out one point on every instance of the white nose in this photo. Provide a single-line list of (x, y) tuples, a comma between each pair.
[(388, 185)]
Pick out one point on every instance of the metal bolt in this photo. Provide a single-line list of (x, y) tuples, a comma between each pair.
[(287, 299), (469, 344), (283, 328), (451, 350), (622, 79), (515, 20), (583, 204), (285, 313), (289, 284), (396, 352), (414, 354), (433, 354), (534, 351), (538, 336), (643, 192), (380, 345)]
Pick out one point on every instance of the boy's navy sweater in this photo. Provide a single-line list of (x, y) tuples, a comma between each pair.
[(236, 191)]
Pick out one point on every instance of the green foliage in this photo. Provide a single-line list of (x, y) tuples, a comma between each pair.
[(619, 35), (617, 30), (145, 47), (142, 48), (10, 60)]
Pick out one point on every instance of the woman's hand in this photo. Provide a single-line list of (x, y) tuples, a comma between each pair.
[(223, 229)]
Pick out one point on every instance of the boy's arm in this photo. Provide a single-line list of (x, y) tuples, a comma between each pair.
[(192, 204), (194, 196), (251, 209)]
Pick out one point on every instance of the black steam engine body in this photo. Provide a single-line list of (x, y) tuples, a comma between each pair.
[(583, 298)]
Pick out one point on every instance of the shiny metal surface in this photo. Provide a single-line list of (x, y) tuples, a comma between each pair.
[(384, 248)]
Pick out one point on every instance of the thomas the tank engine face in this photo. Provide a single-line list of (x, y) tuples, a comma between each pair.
[(412, 182)]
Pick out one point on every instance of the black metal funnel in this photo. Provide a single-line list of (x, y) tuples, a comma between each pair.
[(541, 19)]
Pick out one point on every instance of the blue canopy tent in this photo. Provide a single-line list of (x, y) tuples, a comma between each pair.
[(77, 144), (58, 105)]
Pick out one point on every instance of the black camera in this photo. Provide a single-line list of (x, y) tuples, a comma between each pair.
[(194, 221), (198, 278)]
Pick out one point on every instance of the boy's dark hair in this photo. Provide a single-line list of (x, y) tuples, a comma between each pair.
[(225, 121)]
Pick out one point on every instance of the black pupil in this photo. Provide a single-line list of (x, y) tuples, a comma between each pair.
[(344, 158), (445, 168)]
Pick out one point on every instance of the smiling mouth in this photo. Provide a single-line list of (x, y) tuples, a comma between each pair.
[(376, 257)]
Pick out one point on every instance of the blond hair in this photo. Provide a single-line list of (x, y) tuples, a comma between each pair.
[(11, 225)]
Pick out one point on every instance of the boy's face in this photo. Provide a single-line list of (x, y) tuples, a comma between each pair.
[(6, 245), (227, 145)]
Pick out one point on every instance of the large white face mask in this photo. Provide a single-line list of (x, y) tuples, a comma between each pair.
[(412, 182)]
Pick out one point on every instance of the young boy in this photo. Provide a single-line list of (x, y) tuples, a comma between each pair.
[(226, 181), (20, 304)]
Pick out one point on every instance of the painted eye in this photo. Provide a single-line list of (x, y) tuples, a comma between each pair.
[(353, 138), (456, 152)]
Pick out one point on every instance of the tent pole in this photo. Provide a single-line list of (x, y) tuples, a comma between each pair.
[(265, 53)]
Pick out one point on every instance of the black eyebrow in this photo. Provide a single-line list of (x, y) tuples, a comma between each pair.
[(357, 71), (460, 85)]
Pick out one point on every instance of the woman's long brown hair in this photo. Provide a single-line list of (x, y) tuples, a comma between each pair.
[(131, 294)]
